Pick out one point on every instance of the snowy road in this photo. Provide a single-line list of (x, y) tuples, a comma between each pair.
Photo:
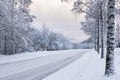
[(37, 68)]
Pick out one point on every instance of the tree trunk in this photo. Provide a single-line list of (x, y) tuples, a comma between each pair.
[(110, 70), (102, 30), (98, 38), (95, 46), (5, 45), (102, 41)]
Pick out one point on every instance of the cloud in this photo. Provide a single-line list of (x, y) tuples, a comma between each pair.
[(58, 17)]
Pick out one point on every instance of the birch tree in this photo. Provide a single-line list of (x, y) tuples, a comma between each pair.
[(109, 69)]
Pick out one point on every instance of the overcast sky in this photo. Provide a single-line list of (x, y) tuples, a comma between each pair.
[(58, 17)]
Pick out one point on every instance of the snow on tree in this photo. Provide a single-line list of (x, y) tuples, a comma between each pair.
[(92, 11), (106, 19), (47, 40), (12, 20)]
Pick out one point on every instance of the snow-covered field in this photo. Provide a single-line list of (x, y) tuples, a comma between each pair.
[(57, 65), (36, 65), (89, 67)]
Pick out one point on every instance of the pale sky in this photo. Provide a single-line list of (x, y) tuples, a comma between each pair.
[(58, 17)]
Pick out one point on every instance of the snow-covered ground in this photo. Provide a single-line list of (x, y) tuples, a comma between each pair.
[(36, 65), (57, 65), (32, 55), (89, 67)]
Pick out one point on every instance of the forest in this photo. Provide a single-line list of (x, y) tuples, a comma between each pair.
[(102, 24), (17, 35)]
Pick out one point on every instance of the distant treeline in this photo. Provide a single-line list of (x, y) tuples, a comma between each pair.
[(30, 39)]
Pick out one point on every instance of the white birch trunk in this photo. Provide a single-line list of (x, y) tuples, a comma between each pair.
[(110, 70)]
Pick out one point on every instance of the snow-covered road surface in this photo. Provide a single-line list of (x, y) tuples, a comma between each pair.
[(39, 67), (88, 67)]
